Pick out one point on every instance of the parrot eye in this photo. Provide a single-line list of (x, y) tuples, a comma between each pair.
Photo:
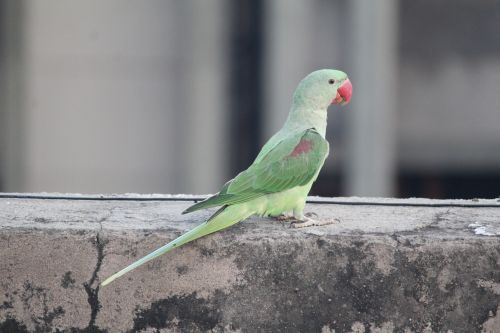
[(331, 81)]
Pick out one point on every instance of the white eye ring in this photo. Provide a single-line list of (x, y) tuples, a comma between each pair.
[(331, 81)]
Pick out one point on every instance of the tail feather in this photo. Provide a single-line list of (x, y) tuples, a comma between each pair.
[(223, 218), (213, 201)]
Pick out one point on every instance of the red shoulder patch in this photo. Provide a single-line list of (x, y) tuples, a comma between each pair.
[(303, 147)]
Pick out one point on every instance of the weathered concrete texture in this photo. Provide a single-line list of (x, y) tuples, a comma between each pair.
[(379, 269)]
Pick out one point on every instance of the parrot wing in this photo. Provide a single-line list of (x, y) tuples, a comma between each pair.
[(294, 161)]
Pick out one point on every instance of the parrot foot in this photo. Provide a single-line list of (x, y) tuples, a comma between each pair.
[(284, 217), (308, 222)]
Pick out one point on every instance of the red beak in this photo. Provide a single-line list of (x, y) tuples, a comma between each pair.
[(344, 93)]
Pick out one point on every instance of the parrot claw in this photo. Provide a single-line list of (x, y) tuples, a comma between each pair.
[(308, 222)]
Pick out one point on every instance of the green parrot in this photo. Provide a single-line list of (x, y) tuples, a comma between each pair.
[(281, 176)]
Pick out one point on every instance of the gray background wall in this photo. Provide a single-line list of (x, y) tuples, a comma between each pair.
[(176, 96)]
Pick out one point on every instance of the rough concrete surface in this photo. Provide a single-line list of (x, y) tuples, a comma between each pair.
[(381, 268)]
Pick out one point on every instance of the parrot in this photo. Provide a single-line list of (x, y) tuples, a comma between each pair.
[(281, 176)]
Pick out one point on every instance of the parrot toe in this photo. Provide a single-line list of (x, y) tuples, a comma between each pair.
[(308, 222), (284, 217)]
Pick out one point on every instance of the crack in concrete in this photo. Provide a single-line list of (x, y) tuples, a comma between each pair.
[(93, 292), (104, 218)]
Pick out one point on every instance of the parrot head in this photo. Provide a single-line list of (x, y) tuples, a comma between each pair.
[(323, 88)]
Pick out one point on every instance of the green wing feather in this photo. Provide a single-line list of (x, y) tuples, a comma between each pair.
[(282, 168)]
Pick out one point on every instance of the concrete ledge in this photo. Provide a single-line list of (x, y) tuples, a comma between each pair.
[(383, 268)]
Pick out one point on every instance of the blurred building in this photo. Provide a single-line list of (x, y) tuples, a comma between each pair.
[(127, 96), (178, 96)]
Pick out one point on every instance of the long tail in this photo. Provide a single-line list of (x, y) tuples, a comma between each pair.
[(223, 218)]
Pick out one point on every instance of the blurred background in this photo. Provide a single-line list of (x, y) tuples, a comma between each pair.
[(178, 96)]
